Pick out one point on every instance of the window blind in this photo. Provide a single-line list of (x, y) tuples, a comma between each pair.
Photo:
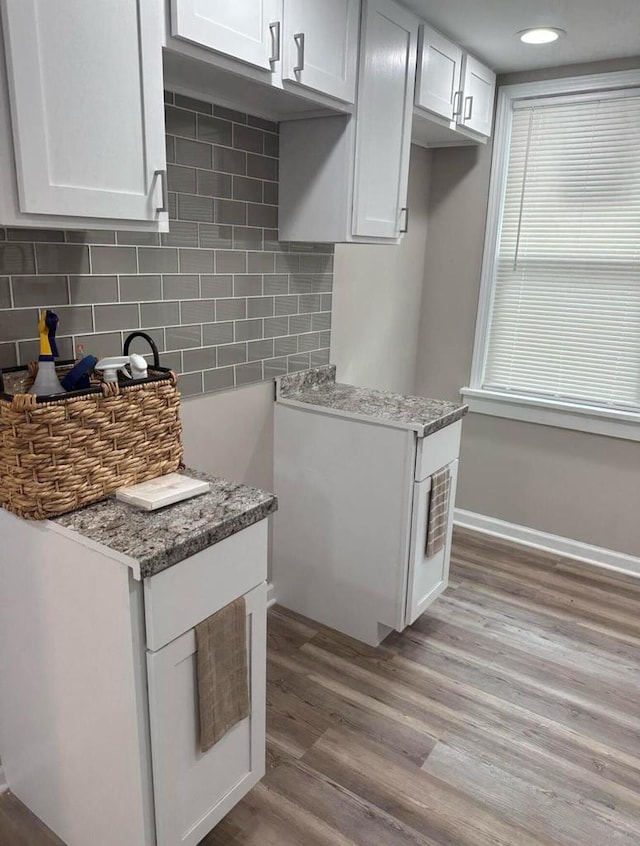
[(565, 313)]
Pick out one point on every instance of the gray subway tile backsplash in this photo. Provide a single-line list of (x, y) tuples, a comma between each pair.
[(226, 302)]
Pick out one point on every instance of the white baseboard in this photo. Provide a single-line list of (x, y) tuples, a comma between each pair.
[(596, 555), (271, 595)]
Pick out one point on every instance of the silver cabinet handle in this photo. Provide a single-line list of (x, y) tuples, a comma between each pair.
[(299, 39), (162, 176), (457, 103), (406, 220), (274, 29), (468, 108)]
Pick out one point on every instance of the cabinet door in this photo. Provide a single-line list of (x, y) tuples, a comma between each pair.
[(479, 87), (85, 86), (428, 577), (385, 104), (321, 45), (194, 790), (248, 30), (439, 71)]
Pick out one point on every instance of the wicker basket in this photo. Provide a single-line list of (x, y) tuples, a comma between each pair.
[(60, 454)]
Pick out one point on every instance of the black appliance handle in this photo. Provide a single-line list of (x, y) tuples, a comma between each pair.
[(151, 342)]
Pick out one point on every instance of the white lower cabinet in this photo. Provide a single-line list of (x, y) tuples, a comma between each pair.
[(194, 790)]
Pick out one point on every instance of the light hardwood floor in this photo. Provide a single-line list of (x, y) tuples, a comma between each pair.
[(508, 715)]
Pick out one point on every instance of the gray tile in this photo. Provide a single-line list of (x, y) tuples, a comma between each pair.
[(213, 184), (247, 373), (260, 307), (232, 354), (110, 317), (168, 96), (316, 263), (159, 314), (5, 292), (271, 145), (92, 236), (270, 193), (183, 337), (173, 206), (326, 301), (231, 309), (180, 287), (229, 161), (2, 234), (261, 215), (190, 385), (214, 130), (218, 380), (257, 350), (64, 258), (34, 235), (319, 357), (139, 345), (248, 330), (196, 261), (247, 189), (180, 178), (29, 350), (299, 323), (247, 238), (308, 247), (193, 104), (179, 121), (194, 153), (229, 114), (276, 284), (170, 144), (325, 339), (109, 343), (110, 260), (231, 261), (42, 291), (308, 342), (172, 360), (262, 167), (138, 239), (286, 305), (218, 333), (216, 286), (245, 285), (274, 326), (271, 242), (275, 367), (200, 359), (157, 260), (287, 263), (74, 319), (8, 357), (196, 208), (181, 234), (311, 283), (230, 212), (260, 262), (299, 362), (139, 288), (321, 321), (261, 123), (247, 138), (197, 311), (309, 302), (213, 236), (288, 345)]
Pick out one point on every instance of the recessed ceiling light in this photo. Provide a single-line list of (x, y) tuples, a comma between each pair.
[(541, 35)]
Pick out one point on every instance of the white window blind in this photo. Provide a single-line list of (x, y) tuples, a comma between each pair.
[(565, 314)]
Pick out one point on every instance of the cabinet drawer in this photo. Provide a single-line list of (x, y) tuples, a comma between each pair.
[(178, 598), (194, 790), (438, 450)]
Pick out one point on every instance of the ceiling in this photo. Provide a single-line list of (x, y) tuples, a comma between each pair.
[(596, 29)]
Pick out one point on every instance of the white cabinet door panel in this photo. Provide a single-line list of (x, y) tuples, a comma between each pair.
[(194, 790), (438, 77), (479, 90), (320, 43), (85, 83), (384, 112), (247, 30)]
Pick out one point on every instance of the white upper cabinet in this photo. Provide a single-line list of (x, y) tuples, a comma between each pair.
[(438, 77), (320, 45), (383, 119), (248, 30), (479, 85), (86, 112)]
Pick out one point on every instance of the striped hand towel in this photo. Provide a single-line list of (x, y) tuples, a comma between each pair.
[(438, 511)]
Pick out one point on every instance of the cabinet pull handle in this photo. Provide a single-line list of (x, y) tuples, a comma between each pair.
[(274, 29), (299, 39), (457, 103), (406, 220), (468, 108), (162, 176)]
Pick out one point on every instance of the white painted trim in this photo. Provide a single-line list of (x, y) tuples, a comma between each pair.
[(613, 422), (271, 594), (507, 94), (3, 781), (597, 556)]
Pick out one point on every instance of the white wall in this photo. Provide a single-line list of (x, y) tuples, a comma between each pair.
[(376, 298)]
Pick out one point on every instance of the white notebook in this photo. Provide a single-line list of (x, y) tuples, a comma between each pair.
[(165, 490)]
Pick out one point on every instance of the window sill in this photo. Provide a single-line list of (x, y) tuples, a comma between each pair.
[(614, 423)]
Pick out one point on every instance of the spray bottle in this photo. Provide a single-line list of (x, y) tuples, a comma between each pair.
[(47, 381)]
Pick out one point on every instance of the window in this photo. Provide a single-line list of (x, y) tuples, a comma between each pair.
[(559, 321)]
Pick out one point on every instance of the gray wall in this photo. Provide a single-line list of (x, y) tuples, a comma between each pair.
[(574, 484)]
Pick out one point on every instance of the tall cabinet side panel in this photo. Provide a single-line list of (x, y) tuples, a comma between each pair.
[(341, 534)]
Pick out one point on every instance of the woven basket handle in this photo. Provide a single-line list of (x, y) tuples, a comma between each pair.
[(151, 342)]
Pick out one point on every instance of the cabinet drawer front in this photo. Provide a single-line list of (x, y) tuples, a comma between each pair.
[(438, 450), (194, 790), (178, 598)]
